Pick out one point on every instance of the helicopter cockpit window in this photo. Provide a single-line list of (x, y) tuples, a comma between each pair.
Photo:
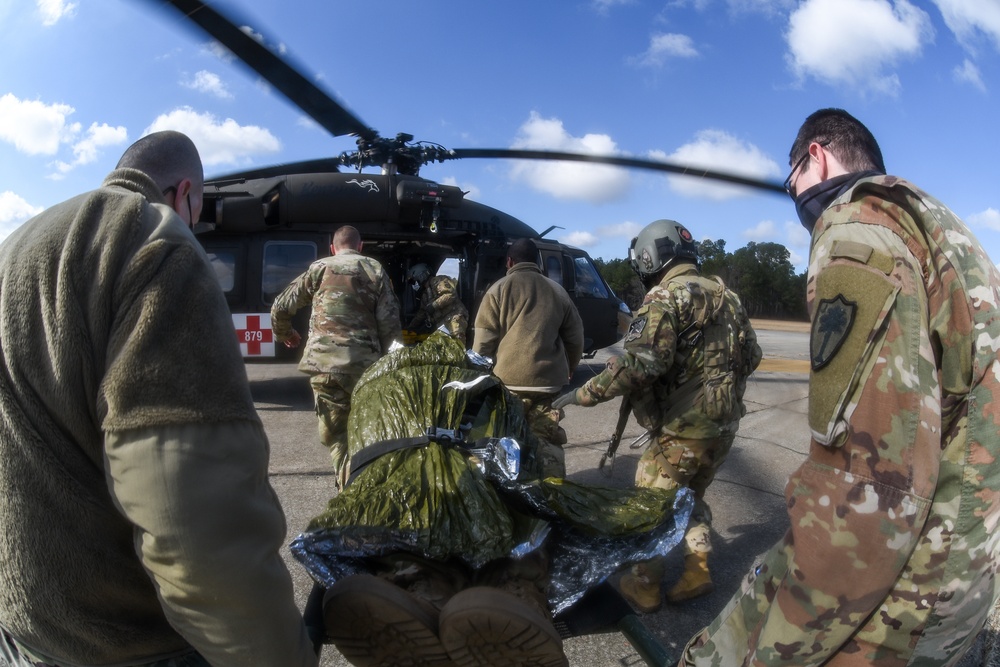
[(588, 280), (553, 268), (284, 261), (224, 263)]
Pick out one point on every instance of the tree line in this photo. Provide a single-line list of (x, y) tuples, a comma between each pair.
[(760, 273)]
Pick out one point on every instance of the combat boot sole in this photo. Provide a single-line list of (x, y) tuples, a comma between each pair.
[(484, 627), (643, 597), (374, 623)]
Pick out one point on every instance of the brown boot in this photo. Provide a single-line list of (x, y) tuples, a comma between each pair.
[(641, 592), (487, 627), (377, 624), (695, 581)]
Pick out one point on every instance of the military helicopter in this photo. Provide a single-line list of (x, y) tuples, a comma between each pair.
[(263, 227)]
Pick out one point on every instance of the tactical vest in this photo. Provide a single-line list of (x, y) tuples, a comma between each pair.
[(716, 338)]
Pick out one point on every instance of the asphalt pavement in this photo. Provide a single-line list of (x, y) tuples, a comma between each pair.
[(747, 497)]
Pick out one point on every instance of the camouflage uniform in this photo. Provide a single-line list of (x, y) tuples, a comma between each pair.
[(355, 317), (440, 306), (891, 555), (543, 420), (688, 353)]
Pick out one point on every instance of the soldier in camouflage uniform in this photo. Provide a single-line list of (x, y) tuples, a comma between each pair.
[(355, 318), (688, 353), (891, 555), (440, 305)]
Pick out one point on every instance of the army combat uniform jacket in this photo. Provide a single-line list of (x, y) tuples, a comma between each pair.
[(441, 306), (891, 555), (688, 352), (355, 314)]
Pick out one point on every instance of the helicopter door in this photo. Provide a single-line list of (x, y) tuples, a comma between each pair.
[(597, 304), (491, 265)]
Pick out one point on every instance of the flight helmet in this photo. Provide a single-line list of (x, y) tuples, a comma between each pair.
[(658, 244), (418, 274)]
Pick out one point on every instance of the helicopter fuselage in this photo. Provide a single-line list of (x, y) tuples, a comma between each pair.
[(261, 233)]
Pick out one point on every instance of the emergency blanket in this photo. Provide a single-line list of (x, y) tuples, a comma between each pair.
[(471, 493)]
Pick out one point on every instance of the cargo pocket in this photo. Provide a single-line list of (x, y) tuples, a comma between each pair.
[(721, 401), (850, 315)]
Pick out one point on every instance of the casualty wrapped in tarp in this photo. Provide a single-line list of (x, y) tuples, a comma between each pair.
[(449, 473)]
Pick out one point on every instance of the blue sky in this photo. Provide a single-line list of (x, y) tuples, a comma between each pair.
[(722, 84)]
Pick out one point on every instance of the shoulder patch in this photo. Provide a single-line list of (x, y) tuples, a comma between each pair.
[(635, 329), (831, 325)]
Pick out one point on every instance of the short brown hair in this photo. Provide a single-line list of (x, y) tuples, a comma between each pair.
[(844, 136), (347, 238)]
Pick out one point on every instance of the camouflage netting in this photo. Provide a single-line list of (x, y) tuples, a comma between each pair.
[(439, 502)]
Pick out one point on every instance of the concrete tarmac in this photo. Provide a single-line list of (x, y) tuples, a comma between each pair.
[(747, 497)]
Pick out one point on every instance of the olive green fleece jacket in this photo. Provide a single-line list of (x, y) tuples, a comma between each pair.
[(530, 325), (136, 516)]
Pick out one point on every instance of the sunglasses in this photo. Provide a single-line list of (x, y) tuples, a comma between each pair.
[(798, 164)]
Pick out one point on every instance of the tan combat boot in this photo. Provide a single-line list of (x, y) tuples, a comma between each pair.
[(641, 592), (695, 581)]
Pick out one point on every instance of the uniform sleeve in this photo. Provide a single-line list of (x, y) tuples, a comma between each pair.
[(571, 333), (486, 338), (756, 354), (297, 295), (858, 504), (443, 296), (186, 459), (650, 345), (208, 528), (387, 315)]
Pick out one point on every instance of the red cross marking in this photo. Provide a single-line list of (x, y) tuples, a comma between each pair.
[(254, 335)]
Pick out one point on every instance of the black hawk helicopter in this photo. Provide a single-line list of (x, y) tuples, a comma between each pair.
[(263, 227)]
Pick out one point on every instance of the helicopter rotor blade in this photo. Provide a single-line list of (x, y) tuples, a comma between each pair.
[(303, 93), (615, 160), (318, 166)]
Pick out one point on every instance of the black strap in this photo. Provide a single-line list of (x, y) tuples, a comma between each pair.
[(375, 450)]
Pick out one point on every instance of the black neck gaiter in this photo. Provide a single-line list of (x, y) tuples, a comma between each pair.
[(811, 203)]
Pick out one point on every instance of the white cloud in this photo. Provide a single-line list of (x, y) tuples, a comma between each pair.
[(208, 82), (218, 142), (967, 72), (716, 150), (53, 10), (89, 148), (471, 191), (990, 218), (580, 239), (855, 42), (765, 230), (568, 180), (663, 46), (627, 229), (970, 19), (13, 211), (35, 128)]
